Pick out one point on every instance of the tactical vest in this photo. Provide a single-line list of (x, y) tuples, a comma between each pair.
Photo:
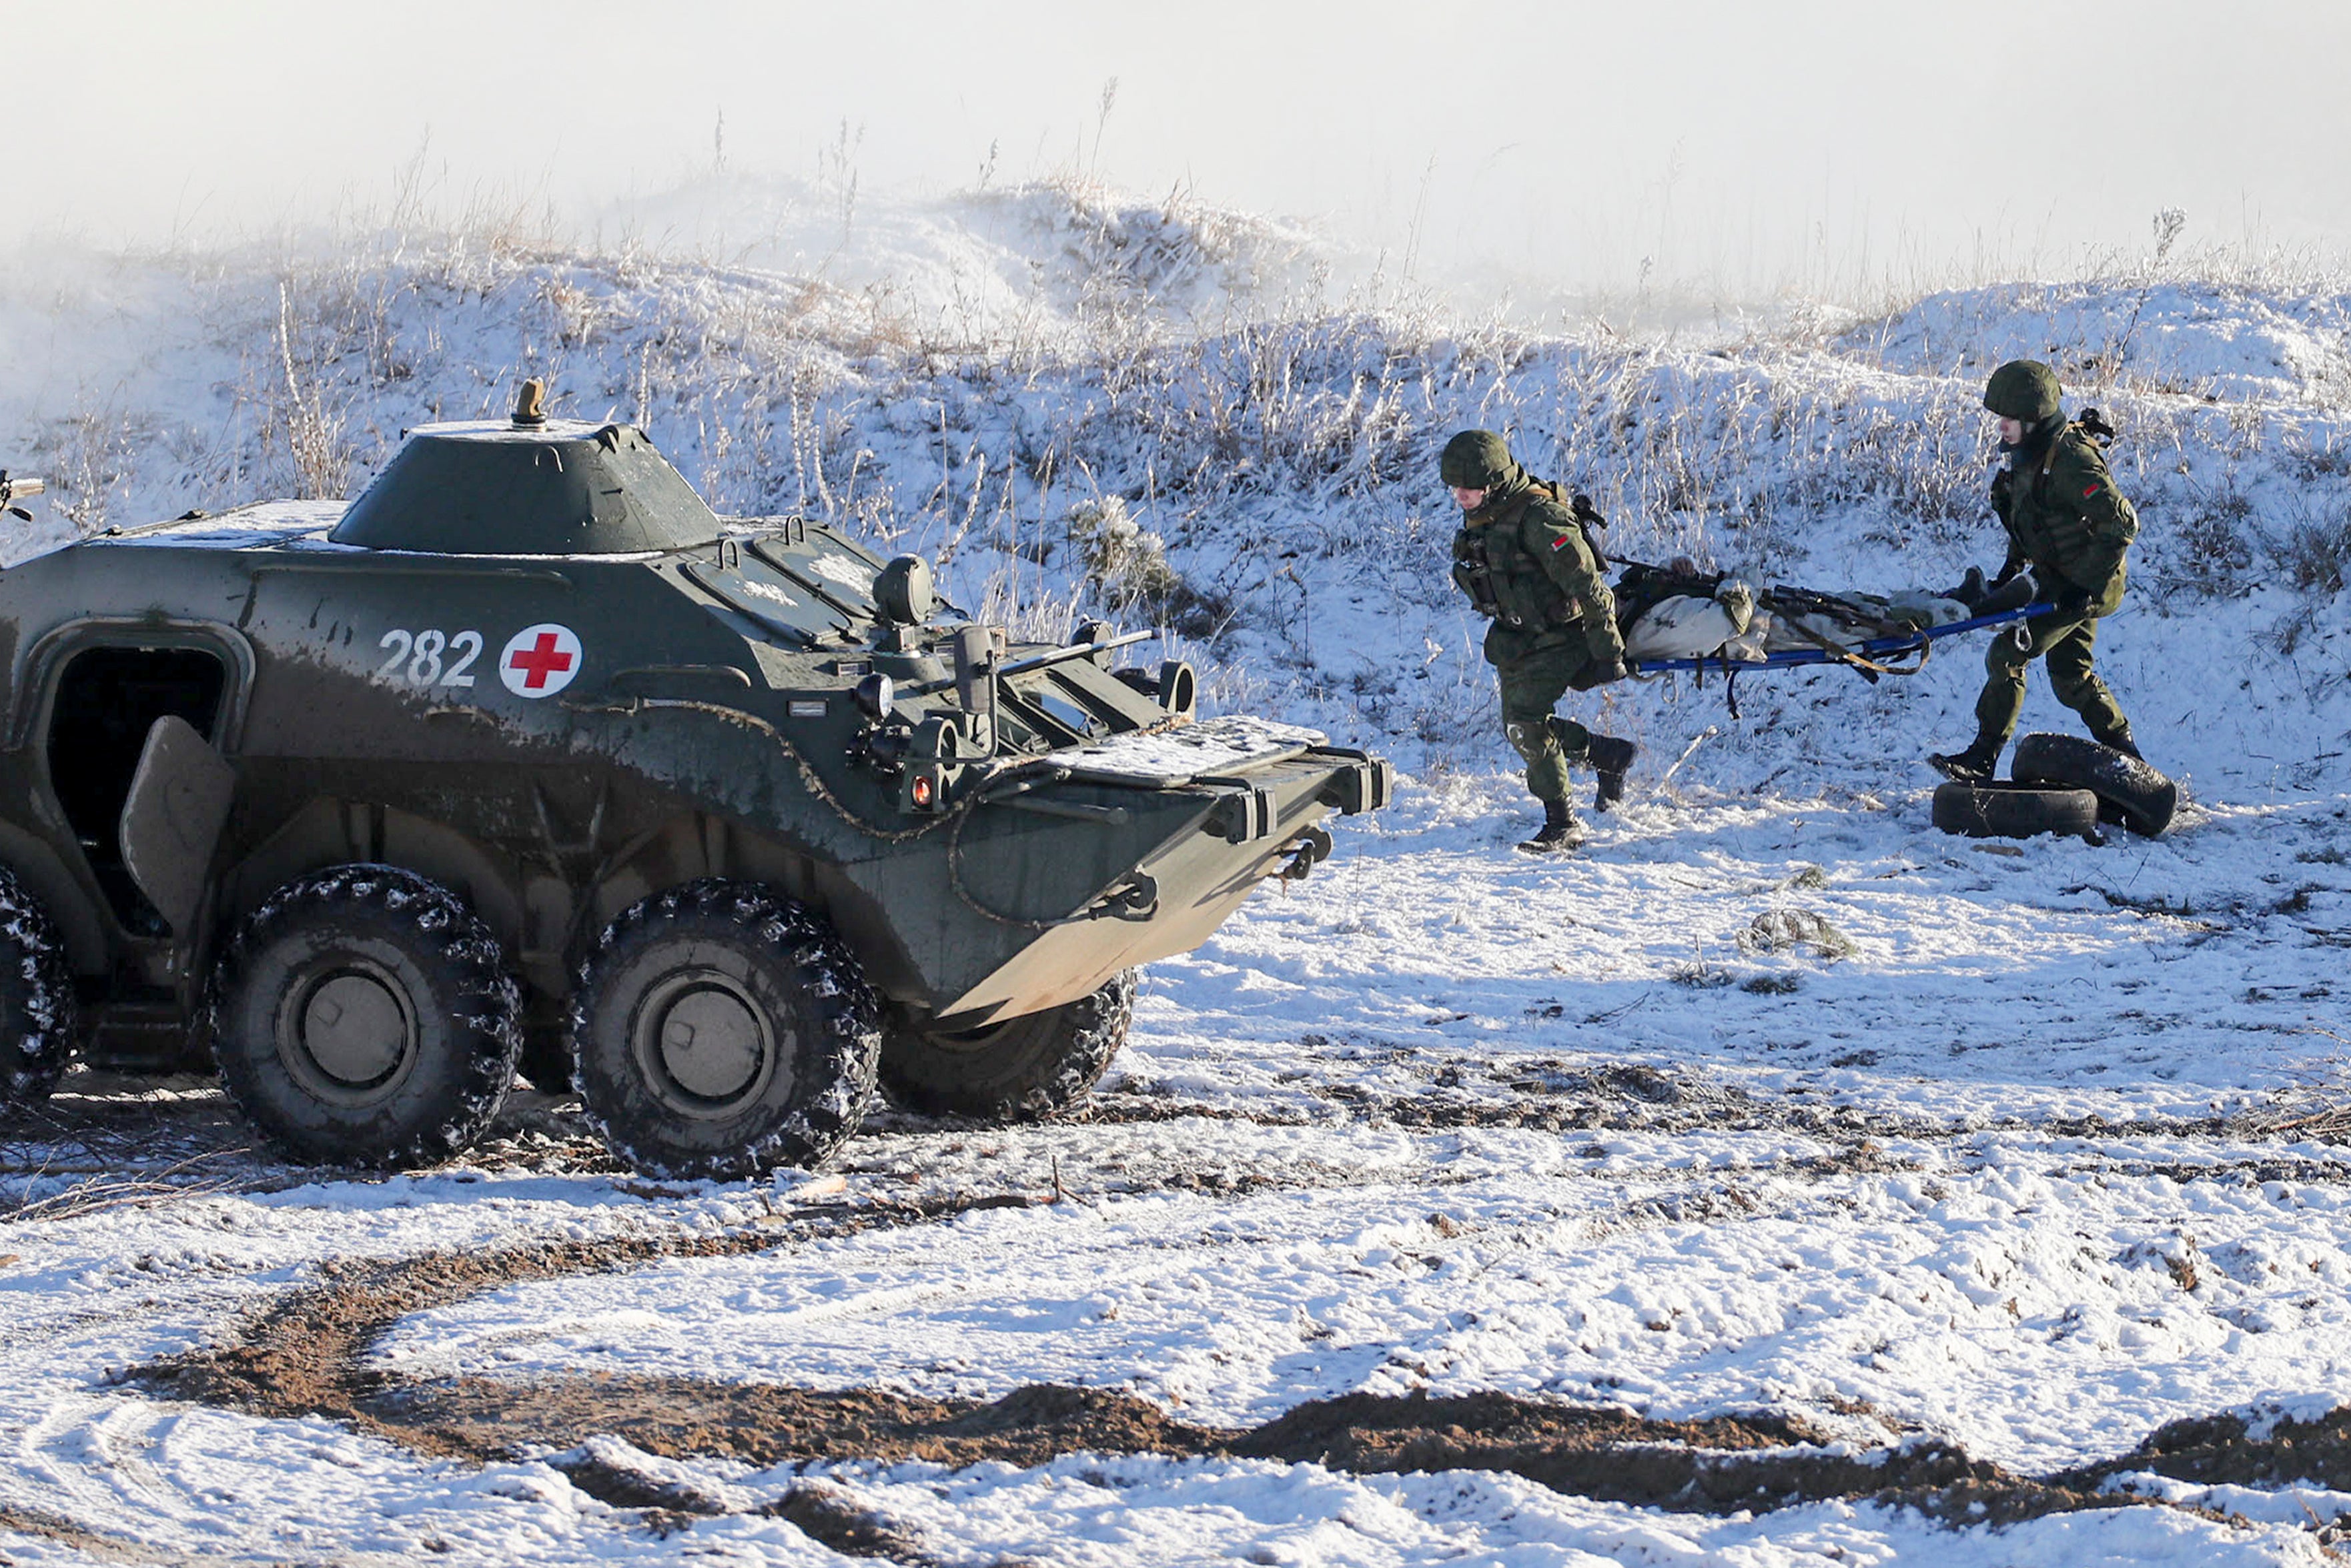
[(1494, 568), (2050, 529)]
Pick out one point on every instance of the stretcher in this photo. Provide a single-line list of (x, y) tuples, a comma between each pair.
[(1869, 657)]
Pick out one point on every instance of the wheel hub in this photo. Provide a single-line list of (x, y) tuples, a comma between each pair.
[(705, 1045), (710, 1043), (350, 1037)]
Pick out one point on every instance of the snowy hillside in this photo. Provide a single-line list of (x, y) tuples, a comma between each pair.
[(1775, 1181), (1176, 414)]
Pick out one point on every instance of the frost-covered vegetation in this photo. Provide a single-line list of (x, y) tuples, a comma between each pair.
[(1201, 420)]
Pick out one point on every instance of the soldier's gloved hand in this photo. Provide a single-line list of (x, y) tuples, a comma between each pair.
[(2072, 602), (2006, 575), (1608, 670)]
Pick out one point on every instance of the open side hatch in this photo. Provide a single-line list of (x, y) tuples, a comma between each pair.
[(109, 700), (180, 796)]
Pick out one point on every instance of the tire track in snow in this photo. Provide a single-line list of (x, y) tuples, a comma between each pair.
[(306, 1356)]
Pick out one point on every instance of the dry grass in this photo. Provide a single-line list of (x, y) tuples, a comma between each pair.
[(1186, 423)]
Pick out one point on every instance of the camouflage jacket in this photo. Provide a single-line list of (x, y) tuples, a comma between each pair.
[(2065, 518), (1523, 559)]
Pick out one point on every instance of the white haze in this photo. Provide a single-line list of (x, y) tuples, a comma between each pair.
[(1825, 148)]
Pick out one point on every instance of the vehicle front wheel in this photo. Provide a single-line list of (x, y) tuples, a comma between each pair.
[(363, 1016), (37, 998), (720, 1030), (1031, 1068)]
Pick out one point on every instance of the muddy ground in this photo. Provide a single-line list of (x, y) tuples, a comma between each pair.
[(308, 1357), (309, 1353)]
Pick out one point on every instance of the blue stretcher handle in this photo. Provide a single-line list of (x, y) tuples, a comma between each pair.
[(1877, 647)]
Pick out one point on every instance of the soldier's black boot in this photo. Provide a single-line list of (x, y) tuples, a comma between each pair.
[(2013, 594), (1971, 766), (2120, 741), (1560, 831), (1611, 755)]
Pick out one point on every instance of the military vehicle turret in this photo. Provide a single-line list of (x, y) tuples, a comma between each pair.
[(524, 757)]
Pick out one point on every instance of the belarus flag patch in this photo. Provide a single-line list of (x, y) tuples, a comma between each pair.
[(2093, 490)]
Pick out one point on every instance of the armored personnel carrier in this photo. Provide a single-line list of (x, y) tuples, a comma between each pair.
[(525, 758)]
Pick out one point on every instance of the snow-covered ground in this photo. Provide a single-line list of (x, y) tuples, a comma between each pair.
[(1773, 1105), (1440, 1118)]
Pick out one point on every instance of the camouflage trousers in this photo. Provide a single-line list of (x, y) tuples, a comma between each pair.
[(2065, 641), (1532, 682)]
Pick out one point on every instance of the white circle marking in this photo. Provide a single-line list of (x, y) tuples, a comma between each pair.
[(540, 660)]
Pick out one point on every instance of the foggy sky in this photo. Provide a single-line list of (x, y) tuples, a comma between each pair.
[(1816, 143)]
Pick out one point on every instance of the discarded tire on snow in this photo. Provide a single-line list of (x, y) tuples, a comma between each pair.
[(2000, 808), (363, 1016), (37, 998), (721, 1030), (2130, 791), (1026, 1069)]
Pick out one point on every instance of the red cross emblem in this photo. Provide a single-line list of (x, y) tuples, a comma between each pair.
[(540, 660)]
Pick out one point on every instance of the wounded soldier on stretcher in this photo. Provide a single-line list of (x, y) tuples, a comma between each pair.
[(1677, 611)]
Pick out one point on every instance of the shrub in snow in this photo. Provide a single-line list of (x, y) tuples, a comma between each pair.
[(1127, 567), (1787, 930)]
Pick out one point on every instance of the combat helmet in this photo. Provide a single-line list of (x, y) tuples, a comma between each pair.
[(2023, 390), (1476, 460)]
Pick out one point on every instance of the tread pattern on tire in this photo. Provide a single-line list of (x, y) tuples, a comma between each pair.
[(1057, 1070), (849, 1053), (485, 1011), (37, 998), (2138, 794), (2003, 809)]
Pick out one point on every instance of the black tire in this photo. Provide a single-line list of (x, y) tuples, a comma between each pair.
[(363, 1016), (1999, 808), (1027, 1069), (791, 1042), (2134, 793), (37, 998)]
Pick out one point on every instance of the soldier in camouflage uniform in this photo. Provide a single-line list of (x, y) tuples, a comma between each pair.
[(1525, 561), (2066, 521)]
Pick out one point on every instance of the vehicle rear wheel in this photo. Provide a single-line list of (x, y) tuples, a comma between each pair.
[(2000, 808), (2133, 793), (720, 1030), (37, 998), (1027, 1069), (363, 1016)]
